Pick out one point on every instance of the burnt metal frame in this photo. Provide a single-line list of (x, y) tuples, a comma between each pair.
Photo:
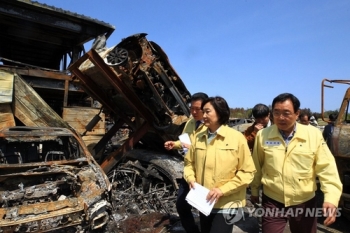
[(344, 103), (129, 96)]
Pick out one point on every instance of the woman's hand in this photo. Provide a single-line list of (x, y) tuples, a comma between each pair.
[(214, 195), (191, 184), (186, 145)]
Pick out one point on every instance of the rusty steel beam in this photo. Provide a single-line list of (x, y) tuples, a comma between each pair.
[(343, 111), (93, 89), (129, 96), (89, 85), (110, 133), (66, 90), (323, 85), (114, 157), (171, 87), (156, 94)]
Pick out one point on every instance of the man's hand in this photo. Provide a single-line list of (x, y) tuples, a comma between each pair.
[(254, 199), (330, 212), (169, 145), (214, 195), (186, 145), (258, 127)]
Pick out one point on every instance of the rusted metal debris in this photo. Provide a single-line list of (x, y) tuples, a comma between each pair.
[(143, 186), (49, 181), (135, 82), (45, 186), (340, 145)]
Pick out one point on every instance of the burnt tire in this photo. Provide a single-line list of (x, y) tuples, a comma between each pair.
[(117, 56)]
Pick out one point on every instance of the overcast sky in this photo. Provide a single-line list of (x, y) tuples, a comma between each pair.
[(245, 51)]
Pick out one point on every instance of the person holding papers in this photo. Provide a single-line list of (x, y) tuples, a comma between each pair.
[(192, 126), (219, 159)]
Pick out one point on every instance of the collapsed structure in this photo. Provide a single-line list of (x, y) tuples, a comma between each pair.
[(52, 82)]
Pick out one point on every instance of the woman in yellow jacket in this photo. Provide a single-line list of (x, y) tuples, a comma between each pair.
[(220, 160)]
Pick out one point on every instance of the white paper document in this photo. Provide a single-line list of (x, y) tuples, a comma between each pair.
[(197, 198), (185, 139)]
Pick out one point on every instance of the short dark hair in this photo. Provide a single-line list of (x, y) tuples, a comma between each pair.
[(221, 108), (332, 116), (285, 96), (199, 96), (260, 110), (303, 113)]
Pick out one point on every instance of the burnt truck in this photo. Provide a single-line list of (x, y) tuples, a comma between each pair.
[(141, 92), (340, 141)]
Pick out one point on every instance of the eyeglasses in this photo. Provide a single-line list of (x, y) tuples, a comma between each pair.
[(284, 114)]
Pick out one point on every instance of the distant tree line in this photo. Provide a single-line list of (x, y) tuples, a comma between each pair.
[(247, 113)]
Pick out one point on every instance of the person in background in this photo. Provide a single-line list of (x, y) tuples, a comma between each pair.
[(220, 160), (313, 121), (193, 125), (261, 114), (328, 130), (304, 118), (288, 157)]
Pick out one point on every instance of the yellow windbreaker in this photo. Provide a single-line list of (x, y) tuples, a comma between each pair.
[(190, 128), (288, 173), (226, 163)]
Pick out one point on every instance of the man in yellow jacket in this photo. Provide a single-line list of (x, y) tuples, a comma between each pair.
[(288, 157), (192, 126)]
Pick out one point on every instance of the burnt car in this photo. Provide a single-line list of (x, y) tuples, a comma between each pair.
[(240, 121), (50, 182), (143, 83), (147, 100)]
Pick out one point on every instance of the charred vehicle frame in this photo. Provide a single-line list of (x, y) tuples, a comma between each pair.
[(135, 83), (139, 91), (49, 181)]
